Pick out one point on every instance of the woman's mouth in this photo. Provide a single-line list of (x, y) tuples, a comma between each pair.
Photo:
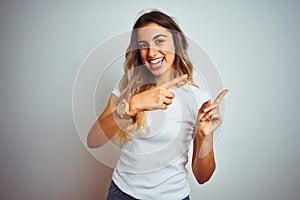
[(156, 63)]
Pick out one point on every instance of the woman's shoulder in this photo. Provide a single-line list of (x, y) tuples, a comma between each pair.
[(196, 93), (196, 90)]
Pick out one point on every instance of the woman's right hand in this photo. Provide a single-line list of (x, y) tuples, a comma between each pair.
[(158, 97)]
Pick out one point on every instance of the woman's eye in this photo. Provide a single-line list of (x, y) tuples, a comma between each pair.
[(143, 45), (159, 41)]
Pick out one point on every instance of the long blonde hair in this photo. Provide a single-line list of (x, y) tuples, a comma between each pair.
[(137, 78)]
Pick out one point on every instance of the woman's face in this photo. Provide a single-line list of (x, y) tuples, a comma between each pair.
[(157, 50)]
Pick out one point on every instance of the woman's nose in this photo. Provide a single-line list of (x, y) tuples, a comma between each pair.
[(152, 52)]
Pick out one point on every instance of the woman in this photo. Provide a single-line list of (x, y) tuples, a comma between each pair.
[(155, 112)]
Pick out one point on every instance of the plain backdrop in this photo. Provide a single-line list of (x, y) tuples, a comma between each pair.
[(254, 45)]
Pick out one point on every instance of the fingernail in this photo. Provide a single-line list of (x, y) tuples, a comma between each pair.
[(205, 109)]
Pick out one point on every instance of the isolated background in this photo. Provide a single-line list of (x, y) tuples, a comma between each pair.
[(255, 46)]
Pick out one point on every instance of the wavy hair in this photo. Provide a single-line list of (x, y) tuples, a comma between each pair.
[(137, 78)]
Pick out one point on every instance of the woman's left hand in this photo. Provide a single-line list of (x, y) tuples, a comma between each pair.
[(209, 117)]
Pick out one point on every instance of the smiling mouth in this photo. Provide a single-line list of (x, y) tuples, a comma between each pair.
[(156, 64)]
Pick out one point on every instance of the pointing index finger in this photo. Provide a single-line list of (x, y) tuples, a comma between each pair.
[(220, 96), (174, 81)]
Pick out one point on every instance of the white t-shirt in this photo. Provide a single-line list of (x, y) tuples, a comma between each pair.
[(152, 165)]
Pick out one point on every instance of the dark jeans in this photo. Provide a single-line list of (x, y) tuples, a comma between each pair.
[(115, 193)]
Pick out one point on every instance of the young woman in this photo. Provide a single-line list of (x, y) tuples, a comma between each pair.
[(155, 112)]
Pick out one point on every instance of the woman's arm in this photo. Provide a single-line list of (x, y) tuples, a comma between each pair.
[(203, 162), (107, 124), (209, 119)]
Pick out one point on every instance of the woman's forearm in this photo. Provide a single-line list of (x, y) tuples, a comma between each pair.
[(101, 131), (106, 126), (203, 163)]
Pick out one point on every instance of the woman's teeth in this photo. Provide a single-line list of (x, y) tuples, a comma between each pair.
[(156, 60), (156, 64)]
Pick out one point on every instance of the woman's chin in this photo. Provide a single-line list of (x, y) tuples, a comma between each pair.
[(163, 71)]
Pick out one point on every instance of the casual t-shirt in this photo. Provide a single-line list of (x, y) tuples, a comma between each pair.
[(152, 165)]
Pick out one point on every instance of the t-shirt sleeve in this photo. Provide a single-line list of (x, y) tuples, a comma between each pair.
[(201, 97), (116, 90)]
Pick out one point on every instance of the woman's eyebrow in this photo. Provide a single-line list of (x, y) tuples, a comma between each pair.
[(159, 36), (155, 37)]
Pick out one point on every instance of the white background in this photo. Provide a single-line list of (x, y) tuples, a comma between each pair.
[(254, 44)]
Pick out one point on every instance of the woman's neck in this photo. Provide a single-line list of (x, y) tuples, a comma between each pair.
[(164, 77)]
